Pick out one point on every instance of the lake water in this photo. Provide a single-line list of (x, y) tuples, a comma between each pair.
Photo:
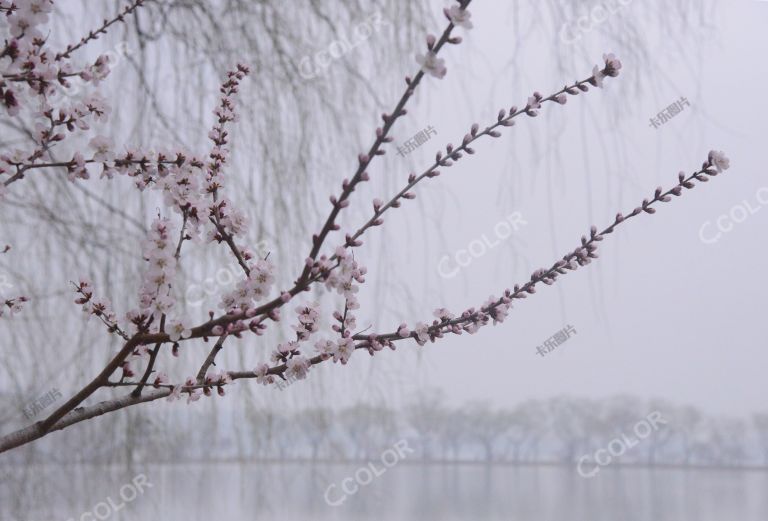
[(406, 491)]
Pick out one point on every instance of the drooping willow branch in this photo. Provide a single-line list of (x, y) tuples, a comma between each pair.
[(468, 321), (316, 270)]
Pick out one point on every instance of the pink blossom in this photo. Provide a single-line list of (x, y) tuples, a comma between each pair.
[(78, 169), (346, 346), (612, 65), (297, 367), (534, 102), (422, 333), (431, 64), (261, 374), (102, 148), (36, 11), (326, 348), (460, 17), (175, 394), (598, 75), (22, 24), (155, 296), (719, 160), (403, 331), (443, 314), (178, 330), (194, 395)]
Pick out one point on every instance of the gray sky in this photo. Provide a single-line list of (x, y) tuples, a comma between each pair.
[(662, 313)]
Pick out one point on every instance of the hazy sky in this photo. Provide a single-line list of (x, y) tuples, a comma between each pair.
[(662, 313)]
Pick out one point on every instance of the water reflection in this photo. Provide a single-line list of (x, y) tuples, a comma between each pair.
[(295, 491)]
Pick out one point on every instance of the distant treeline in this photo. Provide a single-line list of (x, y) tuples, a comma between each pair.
[(559, 430)]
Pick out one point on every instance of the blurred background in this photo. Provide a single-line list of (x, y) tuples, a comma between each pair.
[(669, 320)]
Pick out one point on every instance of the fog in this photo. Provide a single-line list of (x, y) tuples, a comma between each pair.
[(667, 319)]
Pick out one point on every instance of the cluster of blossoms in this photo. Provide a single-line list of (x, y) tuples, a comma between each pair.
[(25, 17), (194, 389), (177, 175), (227, 220), (96, 306), (611, 70), (255, 288), (30, 78), (494, 310), (458, 15), (345, 278), (155, 299), (191, 187), (308, 318), (342, 273), (12, 305), (22, 58), (289, 353), (216, 379), (263, 375)]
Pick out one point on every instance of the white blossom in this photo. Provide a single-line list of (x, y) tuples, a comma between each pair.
[(460, 17), (431, 64), (719, 160)]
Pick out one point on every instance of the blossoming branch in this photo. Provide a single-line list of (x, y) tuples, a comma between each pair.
[(197, 208)]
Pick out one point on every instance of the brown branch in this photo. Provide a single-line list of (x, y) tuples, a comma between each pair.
[(38, 430), (211, 358), (579, 257), (382, 136), (94, 35), (582, 255), (93, 386), (454, 154)]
